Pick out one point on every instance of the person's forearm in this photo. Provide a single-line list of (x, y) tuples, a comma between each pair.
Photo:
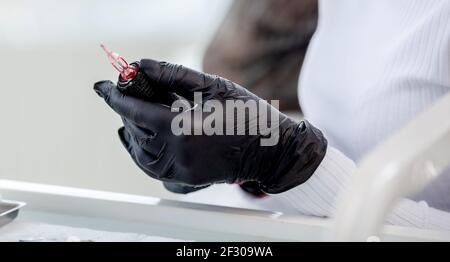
[(317, 197)]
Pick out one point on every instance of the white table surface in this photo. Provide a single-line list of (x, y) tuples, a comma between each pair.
[(37, 232), (98, 214)]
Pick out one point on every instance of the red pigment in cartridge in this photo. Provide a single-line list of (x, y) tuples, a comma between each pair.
[(131, 80)]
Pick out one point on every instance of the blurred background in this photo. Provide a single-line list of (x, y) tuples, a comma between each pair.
[(56, 130)]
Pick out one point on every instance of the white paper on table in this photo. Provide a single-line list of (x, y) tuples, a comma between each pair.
[(29, 231)]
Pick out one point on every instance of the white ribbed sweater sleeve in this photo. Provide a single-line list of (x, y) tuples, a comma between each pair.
[(317, 197)]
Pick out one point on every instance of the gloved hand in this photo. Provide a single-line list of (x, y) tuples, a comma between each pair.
[(251, 187), (197, 161), (178, 188)]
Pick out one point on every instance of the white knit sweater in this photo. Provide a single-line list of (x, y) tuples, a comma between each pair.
[(371, 67)]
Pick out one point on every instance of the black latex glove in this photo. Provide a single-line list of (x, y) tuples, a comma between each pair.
[(178, 188), (199, 161)]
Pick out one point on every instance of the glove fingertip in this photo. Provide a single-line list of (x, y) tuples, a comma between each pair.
[(124, 138), (152, 68), (103, 88)]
